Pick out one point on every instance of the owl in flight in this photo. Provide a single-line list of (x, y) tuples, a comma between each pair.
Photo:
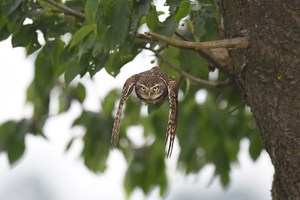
[(151, 87)]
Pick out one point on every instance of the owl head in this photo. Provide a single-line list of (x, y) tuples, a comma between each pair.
[(151, 91)]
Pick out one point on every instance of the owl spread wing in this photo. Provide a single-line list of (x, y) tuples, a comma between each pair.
[(126, 91), (172, 122)]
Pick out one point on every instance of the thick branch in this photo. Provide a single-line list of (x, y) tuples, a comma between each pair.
[(218, 57), (212, 55), (67, 10), (234, 43)]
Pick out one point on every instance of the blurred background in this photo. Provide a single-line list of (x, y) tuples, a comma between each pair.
[(47, 172)]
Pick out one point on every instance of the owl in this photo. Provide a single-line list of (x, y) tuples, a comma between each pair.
[(152, 86)]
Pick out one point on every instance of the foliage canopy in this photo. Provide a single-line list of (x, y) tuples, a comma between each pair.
[(107, 35)]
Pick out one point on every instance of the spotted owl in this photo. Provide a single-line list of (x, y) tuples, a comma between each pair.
[(152, 86)]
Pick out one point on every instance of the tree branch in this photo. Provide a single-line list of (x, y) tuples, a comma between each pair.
[(67, 10), (189, 76), (234, 43), (210, 51)]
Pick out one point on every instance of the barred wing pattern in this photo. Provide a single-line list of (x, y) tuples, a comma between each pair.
[(126, 91)]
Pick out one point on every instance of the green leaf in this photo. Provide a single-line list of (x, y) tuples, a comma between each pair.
[(82, 33), (189, 141), (173, 3), (139, 174), (193, 63), (47, 66), (188, 60), (211, 30), (10, 6), (152, 19), (117, 18), (199, 26), (90, 10), (154, 107), (133, 110), (97, 63), (64, 102), (118, 59), (12, 138), (256, 145), (167, 28), (139, 9), (171, 53), (55, 26), (80, 92), (204, 21), (97, 49), (96, 139), (3, 21), (73, 69), (183, 10), (173, 6), (4, 34), (15, 150), (225, 179), (75, 4), (108, 104), (26, 37)]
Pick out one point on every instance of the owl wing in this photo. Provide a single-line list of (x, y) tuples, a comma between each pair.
[(126, 91), (172, 122), (172, 85)]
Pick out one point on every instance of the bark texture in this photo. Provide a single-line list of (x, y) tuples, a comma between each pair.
[(268, 73)]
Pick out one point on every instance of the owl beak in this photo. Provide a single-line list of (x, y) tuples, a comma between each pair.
[(149, 94)]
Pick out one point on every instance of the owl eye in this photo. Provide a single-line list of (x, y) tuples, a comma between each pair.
[(143, 89), (155, 88)]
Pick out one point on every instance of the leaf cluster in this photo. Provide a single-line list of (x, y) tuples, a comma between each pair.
[(108, 37)]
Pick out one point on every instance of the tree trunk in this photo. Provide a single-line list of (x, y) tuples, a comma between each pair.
[(268, 73)]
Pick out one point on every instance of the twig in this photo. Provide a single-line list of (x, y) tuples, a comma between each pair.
[(67, 10), (234, 43), (189, 76)]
